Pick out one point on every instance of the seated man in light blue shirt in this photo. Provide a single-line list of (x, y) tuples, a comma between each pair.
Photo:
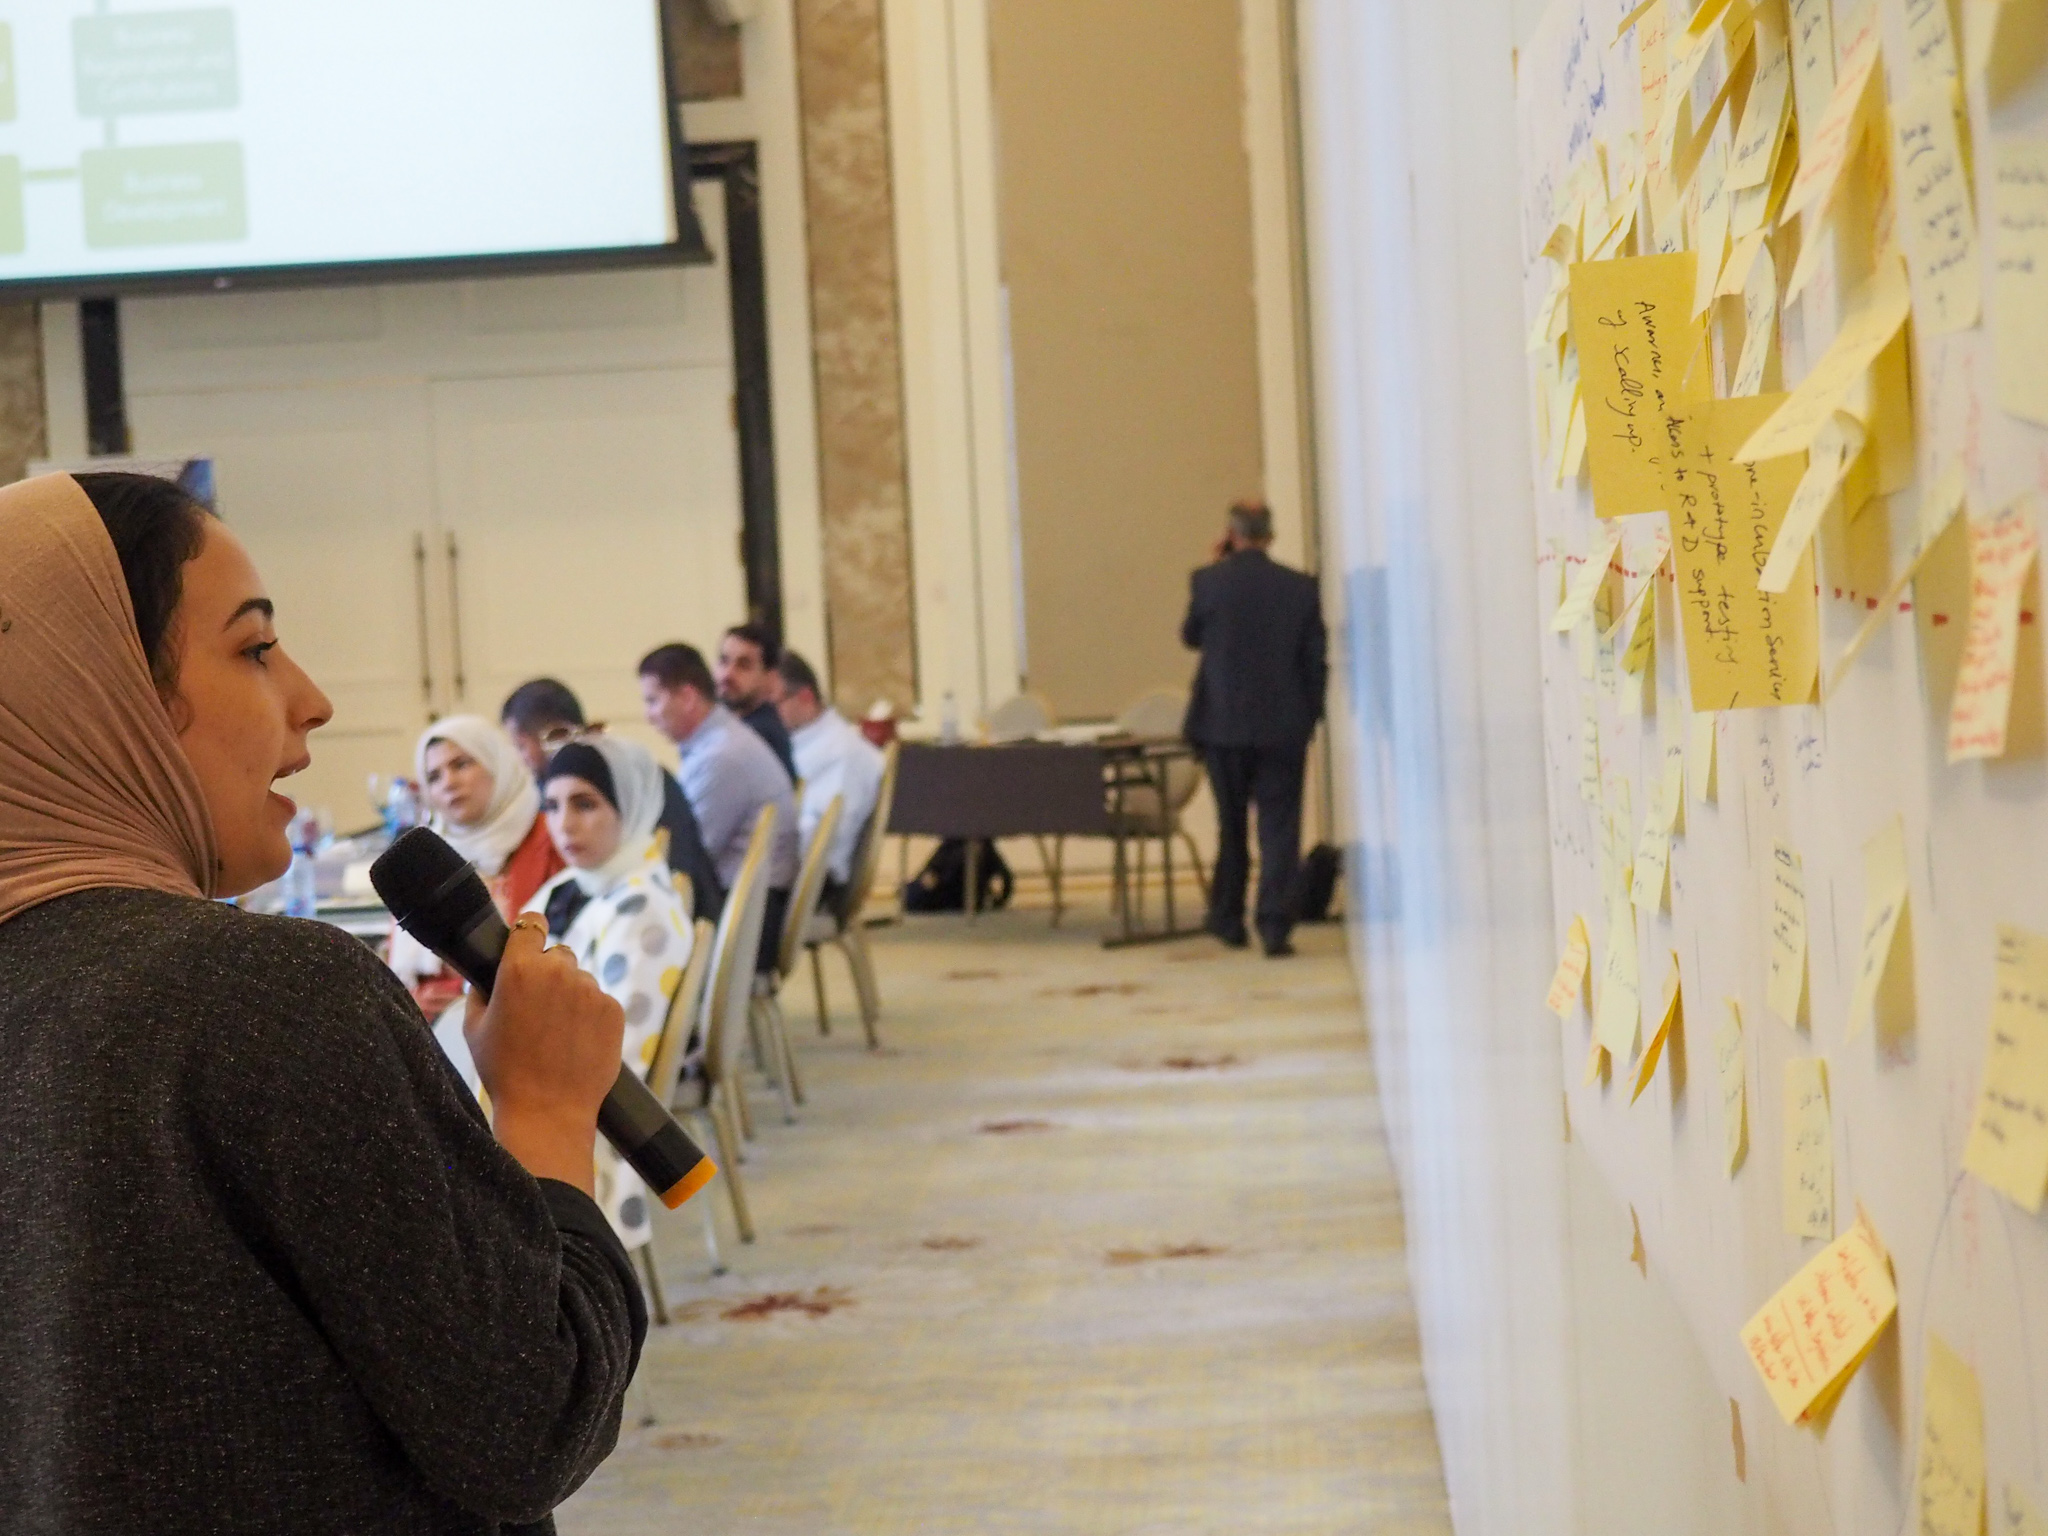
[(727, 773), (832, 758)]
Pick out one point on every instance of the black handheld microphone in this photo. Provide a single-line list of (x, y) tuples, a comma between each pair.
[(437, 896)]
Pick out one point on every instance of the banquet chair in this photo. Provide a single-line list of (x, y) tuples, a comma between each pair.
[(708, 1086), (1144, 817), (846, 929), (684, 1007), (772, 1027)]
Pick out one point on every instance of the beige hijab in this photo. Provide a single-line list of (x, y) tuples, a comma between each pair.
[(94, 788)]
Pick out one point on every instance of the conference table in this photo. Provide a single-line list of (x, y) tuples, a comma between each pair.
[(1045, 789)]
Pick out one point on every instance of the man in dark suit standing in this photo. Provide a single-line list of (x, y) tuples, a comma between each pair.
[(1258, 695)]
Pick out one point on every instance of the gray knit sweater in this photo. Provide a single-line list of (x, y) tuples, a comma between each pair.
[(262, 1266)]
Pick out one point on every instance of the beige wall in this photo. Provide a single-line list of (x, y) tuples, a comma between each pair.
[(1126, 230)]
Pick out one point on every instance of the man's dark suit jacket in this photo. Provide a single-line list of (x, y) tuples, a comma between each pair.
[(1259, 627)]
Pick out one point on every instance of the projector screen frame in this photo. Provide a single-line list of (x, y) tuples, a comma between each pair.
[(686, 249)]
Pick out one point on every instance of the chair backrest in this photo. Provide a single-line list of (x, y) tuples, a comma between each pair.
[(683, 1009), (867, 856), (1019, 718), (810, 885), (736, 949), (1156, 715)]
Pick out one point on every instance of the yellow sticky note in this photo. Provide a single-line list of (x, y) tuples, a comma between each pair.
[(1937, 224), (1763, 116), (1759, 322), (1617, 1009), (1667, 1020), (1710, 243), (1864, 334), (1930, 44), (2019, 293), (1884, 904), (1733, 1078), (1812, 1335), (1744, 648), (1640, 625), (1699, 757), (1949, 1491), (1785, 954), (1943, 503), (1596, 1063), (1568, 984), (2008, 1146), (1585, 581), (1825, 152), (1742, 255), (2008, 41), (1632, 321), (2002, 550), (1809, 1150), (1813, 64), (1835, 448), (1653, 858)]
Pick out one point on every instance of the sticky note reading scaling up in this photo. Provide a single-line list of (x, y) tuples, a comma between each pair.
[(1809, 1150), (2002, 550), (1744, 648), (1632, 322), (1785, 953), (1807, 1341), (2008, 1146), (1950, 1477)]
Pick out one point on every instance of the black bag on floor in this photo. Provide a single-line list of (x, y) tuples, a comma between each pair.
[(941, 886), (1315, 883)]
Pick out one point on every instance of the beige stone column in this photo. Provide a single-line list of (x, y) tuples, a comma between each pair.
[(24, 431), (857, 352)]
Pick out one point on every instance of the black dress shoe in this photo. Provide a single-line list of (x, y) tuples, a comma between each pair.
[(1278, 949), (1230, 938)]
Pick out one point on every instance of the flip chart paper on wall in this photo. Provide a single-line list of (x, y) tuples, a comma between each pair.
[(1668, 1018), (2002, 550), (1589, 751), (1632, 322), (1730, 1071), (1785, 953), (1671, 786), (1808, 1340), (2008, 1146), (1862, 336), (1653, 858), (1618, 1005), (1835, 448), (1936, 222), (1884, 903), (1809, 1150), (2019, 319), (1949, 1481), (1568, 984), (1744, 648)]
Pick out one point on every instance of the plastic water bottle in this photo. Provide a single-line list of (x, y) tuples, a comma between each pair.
[(949, 720), (301, 892)]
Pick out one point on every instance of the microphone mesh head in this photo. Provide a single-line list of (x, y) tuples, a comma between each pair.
[(413, 870)]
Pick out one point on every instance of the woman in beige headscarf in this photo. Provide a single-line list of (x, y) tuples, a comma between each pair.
[(263, 1265)]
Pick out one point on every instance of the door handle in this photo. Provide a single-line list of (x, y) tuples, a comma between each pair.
[(419, 597), (455, 616)]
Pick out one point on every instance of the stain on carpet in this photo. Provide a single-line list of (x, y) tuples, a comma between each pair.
[(1014, 1127), (974, 976), (816, 1229), (951, 1244), (1098, 989), (688, 1440), (822, 1302)]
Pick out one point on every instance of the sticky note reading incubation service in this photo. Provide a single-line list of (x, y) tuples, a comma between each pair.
[(1744, 648), (1809, 1150), (1632, 322), (1949, 1479), (2008, 1145), (1807, 1341)]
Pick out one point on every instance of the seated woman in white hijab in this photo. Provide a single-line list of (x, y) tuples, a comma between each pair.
[(486, 805), (618, 913)]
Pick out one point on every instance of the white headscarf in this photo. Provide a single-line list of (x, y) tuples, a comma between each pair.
[(515, 802), (636, 780)]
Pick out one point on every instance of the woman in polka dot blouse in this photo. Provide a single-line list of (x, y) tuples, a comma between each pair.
[(619, 914)]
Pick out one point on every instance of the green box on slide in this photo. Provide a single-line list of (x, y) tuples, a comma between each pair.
[(164, 194), (13, 221), (156, 61)]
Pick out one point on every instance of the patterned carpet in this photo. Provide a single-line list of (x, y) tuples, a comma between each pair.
[(1097, 1243)]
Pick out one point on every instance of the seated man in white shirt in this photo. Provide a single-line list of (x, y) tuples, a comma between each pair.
[(832, 758), (727, 773)]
